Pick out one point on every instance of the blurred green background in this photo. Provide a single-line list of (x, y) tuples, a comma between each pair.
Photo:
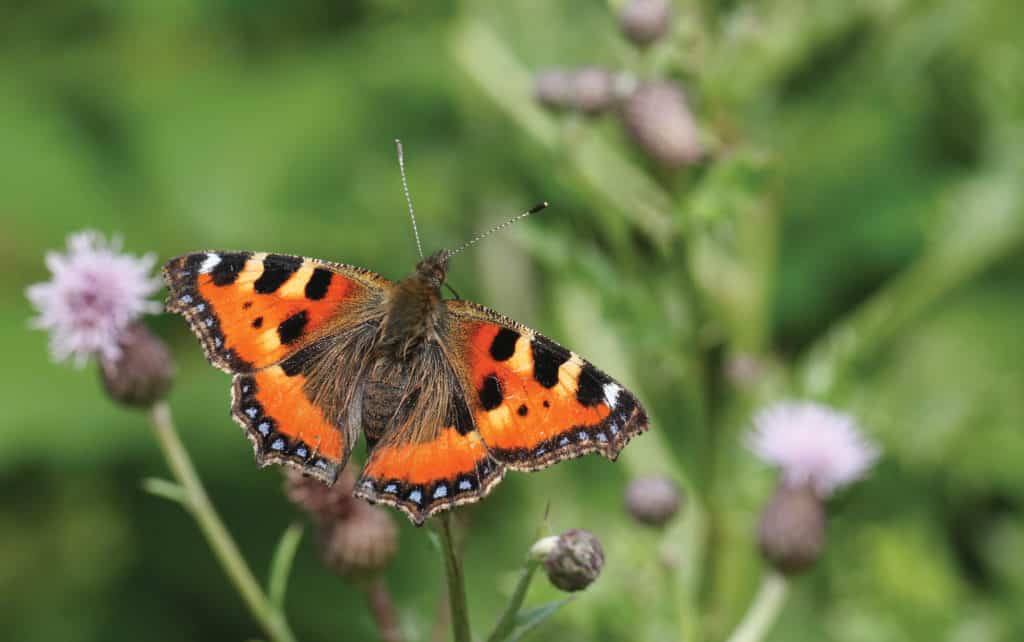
[(852, 235)]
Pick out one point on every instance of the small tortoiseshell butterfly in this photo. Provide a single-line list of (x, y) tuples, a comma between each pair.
[(448, 393)]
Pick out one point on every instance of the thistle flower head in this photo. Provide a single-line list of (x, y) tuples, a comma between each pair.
[(811, 444), (94, 294)]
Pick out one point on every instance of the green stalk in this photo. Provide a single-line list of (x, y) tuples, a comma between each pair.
[(456, 582), (763, 611), (507, 621), (197, 502)]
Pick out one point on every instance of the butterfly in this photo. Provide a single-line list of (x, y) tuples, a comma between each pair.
[(448, 394)]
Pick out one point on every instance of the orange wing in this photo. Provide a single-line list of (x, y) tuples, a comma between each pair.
[(267, 318), (424, 478), (534, 402)]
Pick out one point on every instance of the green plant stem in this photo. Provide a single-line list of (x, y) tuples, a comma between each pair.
[(763, 611), (224, 548), (456, 582), (507, 621), (439, 633)]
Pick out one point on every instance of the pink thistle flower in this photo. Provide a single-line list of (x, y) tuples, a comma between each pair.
[(811, 444), (94, 294)]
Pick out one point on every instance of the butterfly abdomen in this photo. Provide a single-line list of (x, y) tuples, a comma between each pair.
[(382, 404)]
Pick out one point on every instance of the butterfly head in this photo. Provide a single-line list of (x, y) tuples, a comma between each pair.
[(434, 268)]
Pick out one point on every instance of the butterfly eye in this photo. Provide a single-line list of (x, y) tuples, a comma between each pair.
[(439, 274)]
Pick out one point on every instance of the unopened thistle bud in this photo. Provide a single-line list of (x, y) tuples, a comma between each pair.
[(324, 503), (142, 372), (659, 121), (652, 500), (575, 560), (553, 89), (791, 534), (362, 544), (644, 21), (593, 91)]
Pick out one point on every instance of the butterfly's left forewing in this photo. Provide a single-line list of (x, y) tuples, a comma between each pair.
[(271, 319), (533, 402)]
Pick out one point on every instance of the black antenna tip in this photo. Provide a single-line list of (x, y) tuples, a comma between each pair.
[(538, 207)]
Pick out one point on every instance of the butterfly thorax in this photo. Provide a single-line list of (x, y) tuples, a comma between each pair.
[(415, 310)]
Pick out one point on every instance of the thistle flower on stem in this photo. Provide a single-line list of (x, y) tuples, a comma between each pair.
[(817, 450), (91, 305), (94, 294)]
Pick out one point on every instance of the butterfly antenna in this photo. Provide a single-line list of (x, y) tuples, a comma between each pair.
[(479, 237), (408, 199)]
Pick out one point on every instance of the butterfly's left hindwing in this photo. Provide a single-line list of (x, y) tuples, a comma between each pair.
[(423, 478), (534, 402), (268, 319), (286, 427)]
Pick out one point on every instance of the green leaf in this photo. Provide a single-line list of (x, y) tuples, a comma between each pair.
[(281, 564), (526, 621)]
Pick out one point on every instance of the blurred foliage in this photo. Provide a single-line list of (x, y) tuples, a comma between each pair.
[(857, 224)]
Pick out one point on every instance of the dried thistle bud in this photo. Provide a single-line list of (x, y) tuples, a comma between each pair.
[(791, 533), (553, 89), (360, 545), (142, 372), (324, 503), (659, 121), (593, 91), (652, 500), (644, 21), (575, 561)]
